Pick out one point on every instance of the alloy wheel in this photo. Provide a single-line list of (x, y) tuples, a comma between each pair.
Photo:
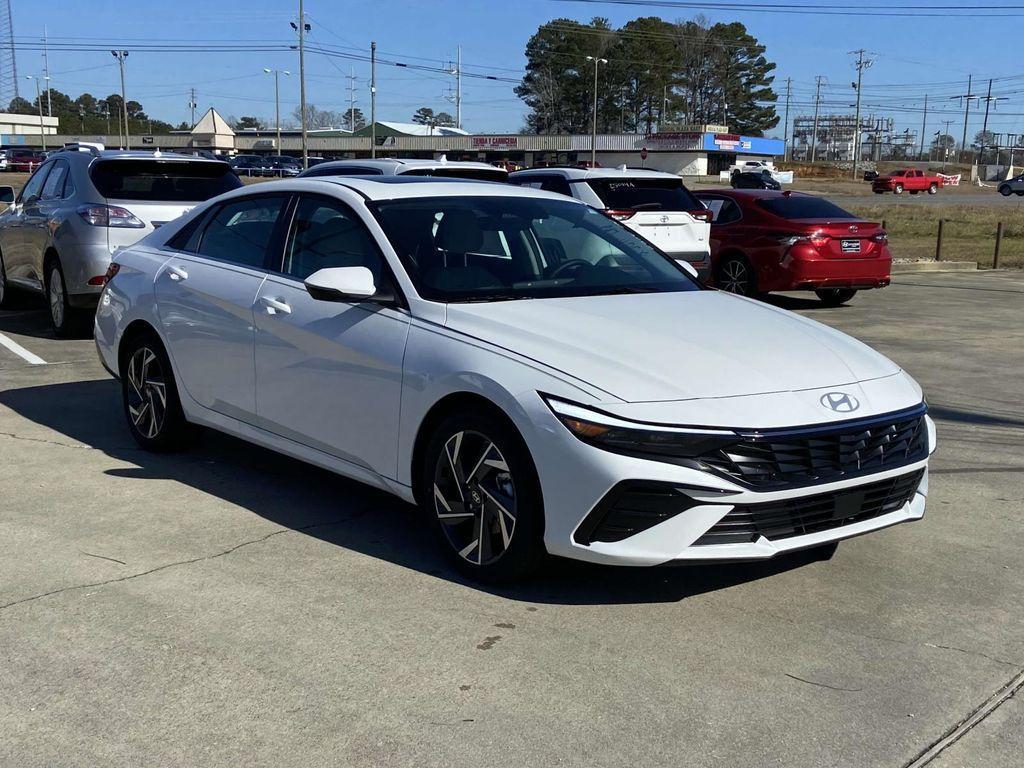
[(147, 392), (57, 298), (734, 277), (475, 497)]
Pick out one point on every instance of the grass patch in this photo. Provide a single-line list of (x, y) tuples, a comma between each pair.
[(968, 234)]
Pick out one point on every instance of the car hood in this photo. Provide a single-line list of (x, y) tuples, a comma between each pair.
[(673, 346)]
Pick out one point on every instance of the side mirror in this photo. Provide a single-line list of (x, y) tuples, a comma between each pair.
[(341, 284), (687, 268), (7, 195)]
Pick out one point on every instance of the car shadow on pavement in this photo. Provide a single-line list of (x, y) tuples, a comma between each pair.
[(25, 314), (794, 303), (345, 513)]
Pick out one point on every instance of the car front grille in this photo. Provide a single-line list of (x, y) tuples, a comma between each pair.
[(792, 458), (811, 514)]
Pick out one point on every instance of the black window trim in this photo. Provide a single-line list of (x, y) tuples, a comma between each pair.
[(44, 171), (277, 268)]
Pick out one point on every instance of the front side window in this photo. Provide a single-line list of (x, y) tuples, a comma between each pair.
[(34, 185), (240, 231), (495, 248), (327, 233)]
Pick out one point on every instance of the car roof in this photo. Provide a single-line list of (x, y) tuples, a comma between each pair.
[(399, 164), (752, 193), (408, 187), (598, 173), (129, 154)]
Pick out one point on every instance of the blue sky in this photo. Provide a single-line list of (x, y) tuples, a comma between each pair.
[(912, 56)]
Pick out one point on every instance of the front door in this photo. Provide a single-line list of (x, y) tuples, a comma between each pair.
[(329, 373), (24, 215), (205, 299)]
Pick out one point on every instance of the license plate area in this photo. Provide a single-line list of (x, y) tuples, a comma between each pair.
[(850, 246)]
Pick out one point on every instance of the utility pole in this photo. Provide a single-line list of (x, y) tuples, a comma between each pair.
[(302, 27), (593, 135), (46, 73), (924, 123), (277, 102), (458, 88), (352, 99), (39, 103), (817, 102), (966, 98), (121, 56), (945, 150), (192, 106), (373, 99), (861, 65), (988, 101), (785, 130)]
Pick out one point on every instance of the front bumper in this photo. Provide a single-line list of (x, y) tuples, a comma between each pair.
[(578, 479)]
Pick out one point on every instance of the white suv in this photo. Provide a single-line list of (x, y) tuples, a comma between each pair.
[(655, 205), (399, 166)]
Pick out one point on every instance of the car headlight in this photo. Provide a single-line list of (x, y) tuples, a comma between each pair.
[(605, 431)]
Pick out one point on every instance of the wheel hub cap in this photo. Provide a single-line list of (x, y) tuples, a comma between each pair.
[(475, 497), (147, 392)]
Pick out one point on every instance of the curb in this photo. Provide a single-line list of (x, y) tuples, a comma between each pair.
[(935, 266)]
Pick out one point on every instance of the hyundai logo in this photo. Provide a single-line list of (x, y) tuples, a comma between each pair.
[(840, 402)]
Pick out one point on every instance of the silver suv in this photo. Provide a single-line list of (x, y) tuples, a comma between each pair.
[(84, 203)]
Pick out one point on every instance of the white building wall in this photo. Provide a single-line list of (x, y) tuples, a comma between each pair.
[(680, 163), (26, 124)]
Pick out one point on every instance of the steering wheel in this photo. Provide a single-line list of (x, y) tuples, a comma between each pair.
[(567, 265)]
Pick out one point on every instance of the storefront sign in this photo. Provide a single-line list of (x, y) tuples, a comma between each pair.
[(730, 141), (673, 140), (495, 142)]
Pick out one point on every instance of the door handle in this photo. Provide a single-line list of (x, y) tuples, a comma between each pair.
[(176, 273), (273, 306)]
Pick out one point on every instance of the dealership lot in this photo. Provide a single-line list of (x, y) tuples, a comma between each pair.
[(228, 605)]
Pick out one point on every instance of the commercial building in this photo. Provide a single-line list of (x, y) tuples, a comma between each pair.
[(17, 130)]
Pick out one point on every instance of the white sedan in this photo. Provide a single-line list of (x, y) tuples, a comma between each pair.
[(539, 378)]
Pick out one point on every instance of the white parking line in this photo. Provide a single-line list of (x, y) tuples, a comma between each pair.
[(20, 351)]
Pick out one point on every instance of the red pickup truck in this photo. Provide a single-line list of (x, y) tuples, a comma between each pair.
[(909, 180)]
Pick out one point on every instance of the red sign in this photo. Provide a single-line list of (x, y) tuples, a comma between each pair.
[(496, 142)]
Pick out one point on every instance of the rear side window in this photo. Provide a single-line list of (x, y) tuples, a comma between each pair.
[(54, 186), (476, 174), (240, 231), (644, 194), (162, 180), (803, 207)]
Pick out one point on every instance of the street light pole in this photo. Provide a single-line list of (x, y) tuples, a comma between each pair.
[(39, 103), (277, 102), (373, 99), (302, 28), (593, 134), (121, 56)]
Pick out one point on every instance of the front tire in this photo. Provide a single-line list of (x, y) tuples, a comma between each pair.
[(833, 297), (3, 282), (151, 403), (933, 189), (898, 189), (1005, 190), (481, 490)]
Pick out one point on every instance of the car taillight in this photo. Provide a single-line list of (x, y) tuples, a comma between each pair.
[(112, 270), (880, 237), (817, 239), (109, 216), (619, 215), (702, 215)]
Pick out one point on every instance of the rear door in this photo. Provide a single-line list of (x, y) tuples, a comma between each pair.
[(205, 294), (659, 210), (157, 191)]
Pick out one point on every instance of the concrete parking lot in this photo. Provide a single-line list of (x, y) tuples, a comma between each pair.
[(228, 606)]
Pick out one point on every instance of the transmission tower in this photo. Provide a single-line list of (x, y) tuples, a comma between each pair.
[(8, 66)]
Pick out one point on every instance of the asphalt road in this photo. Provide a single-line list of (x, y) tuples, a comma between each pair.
[(228, 606)]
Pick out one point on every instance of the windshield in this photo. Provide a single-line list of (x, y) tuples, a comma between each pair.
[(162, 180), (644, 194), (497, 248), (477, 174), (803, 207)]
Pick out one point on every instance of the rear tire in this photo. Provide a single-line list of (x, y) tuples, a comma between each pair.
[(67, 321), (734, 274), (479, 486), (3, 282), (833, 297), (150, 395)]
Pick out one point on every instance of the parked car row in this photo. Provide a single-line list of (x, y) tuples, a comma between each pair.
[(534, 363)]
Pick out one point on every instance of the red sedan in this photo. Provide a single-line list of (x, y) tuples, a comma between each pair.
[(763, 240)]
